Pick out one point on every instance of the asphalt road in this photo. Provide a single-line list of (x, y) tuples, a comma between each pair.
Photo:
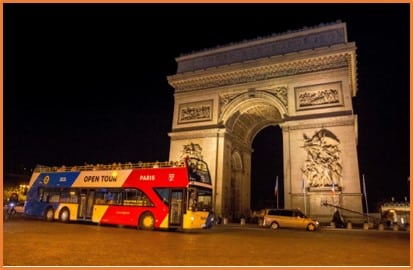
[(29, 242)]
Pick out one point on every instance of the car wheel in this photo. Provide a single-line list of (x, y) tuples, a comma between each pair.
[(147, 222), (49, 215), (64, 215), (274, 225), (311, 227)]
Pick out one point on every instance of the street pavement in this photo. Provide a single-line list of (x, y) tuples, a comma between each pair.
[(38, 243)]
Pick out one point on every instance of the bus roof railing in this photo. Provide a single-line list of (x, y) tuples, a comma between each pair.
[(113, 166)]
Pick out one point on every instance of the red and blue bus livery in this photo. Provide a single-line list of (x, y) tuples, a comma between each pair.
[(160, 195)]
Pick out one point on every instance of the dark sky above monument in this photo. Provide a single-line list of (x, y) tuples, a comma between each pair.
[(88, 83)]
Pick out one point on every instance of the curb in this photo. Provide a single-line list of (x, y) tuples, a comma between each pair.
[(326, 228)]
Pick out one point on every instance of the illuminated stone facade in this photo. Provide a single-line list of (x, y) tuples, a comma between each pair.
[(302, 81)]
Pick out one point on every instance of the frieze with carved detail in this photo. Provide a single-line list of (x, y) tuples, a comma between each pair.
[(195, 112), (319, 96), (281, 94), (182, 84)]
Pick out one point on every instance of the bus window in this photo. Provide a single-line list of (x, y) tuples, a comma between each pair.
[(193, 199), (136, 198), (99, 197), (44, 195), (175, 211), (68, 196), (39, 194), (198, 171), (163, 194), (113, 197), (50, 196), (199, 199)]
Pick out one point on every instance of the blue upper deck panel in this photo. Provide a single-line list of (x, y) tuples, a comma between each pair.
[(56, 179)]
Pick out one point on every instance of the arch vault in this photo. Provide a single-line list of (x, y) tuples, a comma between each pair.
[(302, 81)]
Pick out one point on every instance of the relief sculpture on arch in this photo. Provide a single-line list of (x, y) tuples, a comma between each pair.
[(322, 167)]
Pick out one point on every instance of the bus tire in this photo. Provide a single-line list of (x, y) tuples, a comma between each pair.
[(49, 214), (64, 215), (147, 221)]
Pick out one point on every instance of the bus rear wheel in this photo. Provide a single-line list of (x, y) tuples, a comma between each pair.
[(49, 214), (64, 215), (147, 222)]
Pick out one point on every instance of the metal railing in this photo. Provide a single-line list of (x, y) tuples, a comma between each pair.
[(113, 166)]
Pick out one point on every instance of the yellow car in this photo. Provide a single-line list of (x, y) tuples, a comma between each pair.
[(288, 218)]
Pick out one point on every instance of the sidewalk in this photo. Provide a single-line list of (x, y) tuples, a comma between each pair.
[(358, 227)]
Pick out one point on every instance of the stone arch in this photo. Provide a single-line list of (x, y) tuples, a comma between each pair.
[(250, 112), (243, 118), (303, 81)]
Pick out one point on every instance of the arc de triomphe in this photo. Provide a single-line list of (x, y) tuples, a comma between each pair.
[(302, 81)]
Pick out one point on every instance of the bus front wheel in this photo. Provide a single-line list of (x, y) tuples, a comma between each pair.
[(147, 222)]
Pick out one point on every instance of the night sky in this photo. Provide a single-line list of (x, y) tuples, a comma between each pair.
[(88, 83)]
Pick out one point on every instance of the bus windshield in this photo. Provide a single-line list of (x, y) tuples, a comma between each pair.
[(200, 199), (198, 171)]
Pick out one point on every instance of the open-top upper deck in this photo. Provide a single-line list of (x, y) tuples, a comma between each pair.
[(113, 166)]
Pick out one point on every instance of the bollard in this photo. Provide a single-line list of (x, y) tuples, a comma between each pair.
[(365, 226), (242, 221), (349, 225), (225, 221), (381, 227), (395, 227)]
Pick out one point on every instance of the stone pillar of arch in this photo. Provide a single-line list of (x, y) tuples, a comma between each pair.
[(303, 81)]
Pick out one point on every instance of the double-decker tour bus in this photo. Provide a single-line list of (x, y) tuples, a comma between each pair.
[(158, 195)]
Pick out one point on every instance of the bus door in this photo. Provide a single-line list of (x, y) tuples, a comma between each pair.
[(87, 198), (176, 207)]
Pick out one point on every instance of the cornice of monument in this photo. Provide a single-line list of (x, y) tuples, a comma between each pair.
[(343, 120), (270, 68), (190, 133), (306, 38)]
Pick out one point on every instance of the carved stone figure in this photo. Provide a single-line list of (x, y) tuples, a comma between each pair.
[(192, 150), (323, 165)]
